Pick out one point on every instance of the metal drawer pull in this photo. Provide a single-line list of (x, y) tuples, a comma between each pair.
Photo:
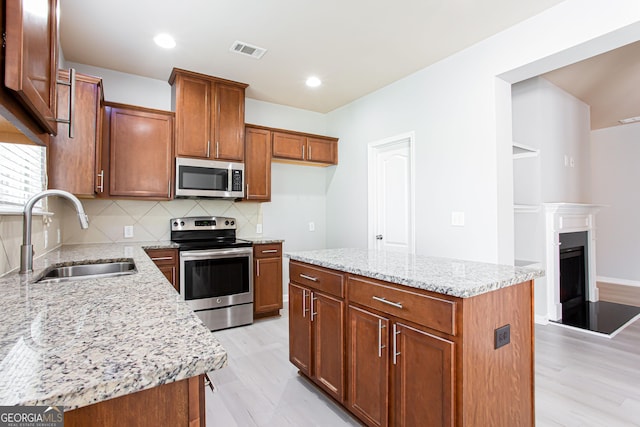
[(394, 304), (380, 346), (101, 185), (313, 279), (162, 258), (395, 344), (270, 251)]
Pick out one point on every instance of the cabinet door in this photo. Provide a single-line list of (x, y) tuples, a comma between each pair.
[(193, 117), (322, 151), (257, 166), (328, 319), (73, 161), (31, 61), (368, 366), (268, 285), (422, 378), (300, 328), (228, 122), (141, 153), (288, 146)]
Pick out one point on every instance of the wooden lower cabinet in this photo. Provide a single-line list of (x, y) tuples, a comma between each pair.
[(413, 357), (178, 404), (267, 279), (316, 338), (167, 262)]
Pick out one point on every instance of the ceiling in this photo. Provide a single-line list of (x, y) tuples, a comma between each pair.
[(608, 83), (354, 46)]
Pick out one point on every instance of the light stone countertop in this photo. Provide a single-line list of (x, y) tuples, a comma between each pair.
[(260, 240), (81, 342), (442, 275)]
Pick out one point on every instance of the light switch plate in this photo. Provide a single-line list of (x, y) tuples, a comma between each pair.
[(258, 228), (128, 231), (312, 226)]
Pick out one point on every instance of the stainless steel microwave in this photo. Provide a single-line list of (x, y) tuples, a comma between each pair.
[(209, 178)]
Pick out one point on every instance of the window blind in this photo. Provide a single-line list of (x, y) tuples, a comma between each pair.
[(22, 174)]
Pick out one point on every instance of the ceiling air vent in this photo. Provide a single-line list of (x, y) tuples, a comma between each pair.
[(247, 49)]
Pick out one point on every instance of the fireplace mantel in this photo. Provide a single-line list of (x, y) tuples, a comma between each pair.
[(568, 218)]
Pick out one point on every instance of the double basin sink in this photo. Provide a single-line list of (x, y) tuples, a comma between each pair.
[(88, 270)]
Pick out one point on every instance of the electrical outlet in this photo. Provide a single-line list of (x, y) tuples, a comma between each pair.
[(502, 336), (59, 236), (312, 226), (128, 231), (457, 219), (258, 228)]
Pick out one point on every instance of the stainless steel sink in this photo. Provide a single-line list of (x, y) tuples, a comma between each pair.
[(89, 270)]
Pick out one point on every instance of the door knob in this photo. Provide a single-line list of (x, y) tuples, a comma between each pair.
[(378, 236)]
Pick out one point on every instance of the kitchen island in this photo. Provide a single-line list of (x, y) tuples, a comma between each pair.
[(407, 340), (80, 344)]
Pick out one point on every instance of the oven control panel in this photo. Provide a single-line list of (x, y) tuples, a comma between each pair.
[(203, 223)]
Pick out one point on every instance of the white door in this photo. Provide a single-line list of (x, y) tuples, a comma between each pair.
[(391, 194)]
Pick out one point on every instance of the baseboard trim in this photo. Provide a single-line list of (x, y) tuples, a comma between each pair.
[(541, 319), (616, 281)]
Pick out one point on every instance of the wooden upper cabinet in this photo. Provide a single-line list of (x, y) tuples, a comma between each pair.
[(31, 58), (209, 116), (228, 122), (74, 162), (257, 165), (299, 147), (288, 146), (141, 152), (322, 150)]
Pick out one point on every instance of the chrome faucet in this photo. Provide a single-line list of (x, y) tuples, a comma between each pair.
[(26, 250)]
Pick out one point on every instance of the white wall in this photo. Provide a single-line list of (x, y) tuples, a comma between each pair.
[(459, 112), (615, 176), (557, 124)]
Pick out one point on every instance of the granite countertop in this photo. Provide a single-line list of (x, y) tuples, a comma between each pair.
[(260, 240), (442, 275), (81, 342)]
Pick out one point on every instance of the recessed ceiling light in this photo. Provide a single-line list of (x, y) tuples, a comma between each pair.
[(313, 81), (630, 120), (165, 40)]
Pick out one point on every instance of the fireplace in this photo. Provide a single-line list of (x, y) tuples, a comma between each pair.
[(570, 257)]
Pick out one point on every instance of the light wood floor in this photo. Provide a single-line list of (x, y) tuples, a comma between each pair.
[(581, 380), (622, 294)]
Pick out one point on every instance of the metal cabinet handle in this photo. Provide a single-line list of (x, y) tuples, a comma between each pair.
[(303, 152), (312, 307), (169, 189), (217, 149), (309, 154), (313, 279), (270, 251), (247, 195), (72, 101), (257, 268), (391, 303), (304, 303), (396, 353), (101, 185), (208, 148), (380, 346)]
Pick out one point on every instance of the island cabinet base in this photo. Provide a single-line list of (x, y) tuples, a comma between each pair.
[(403, 356), (179, 404)]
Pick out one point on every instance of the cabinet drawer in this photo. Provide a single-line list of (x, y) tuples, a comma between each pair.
[(268, 250), (317, 278), (432, 312), (163, 256)]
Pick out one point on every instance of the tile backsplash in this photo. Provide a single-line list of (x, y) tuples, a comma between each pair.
[(107, 218), (150, 220)]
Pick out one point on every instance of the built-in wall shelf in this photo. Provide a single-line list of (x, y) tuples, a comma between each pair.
[(521, 151), (526, 208)]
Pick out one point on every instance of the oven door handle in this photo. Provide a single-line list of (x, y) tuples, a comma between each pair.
[(215, 253)]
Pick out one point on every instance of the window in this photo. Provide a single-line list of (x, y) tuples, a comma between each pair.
[(22, 174)]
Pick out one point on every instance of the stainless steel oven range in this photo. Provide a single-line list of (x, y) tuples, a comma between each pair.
[(216, 270)]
